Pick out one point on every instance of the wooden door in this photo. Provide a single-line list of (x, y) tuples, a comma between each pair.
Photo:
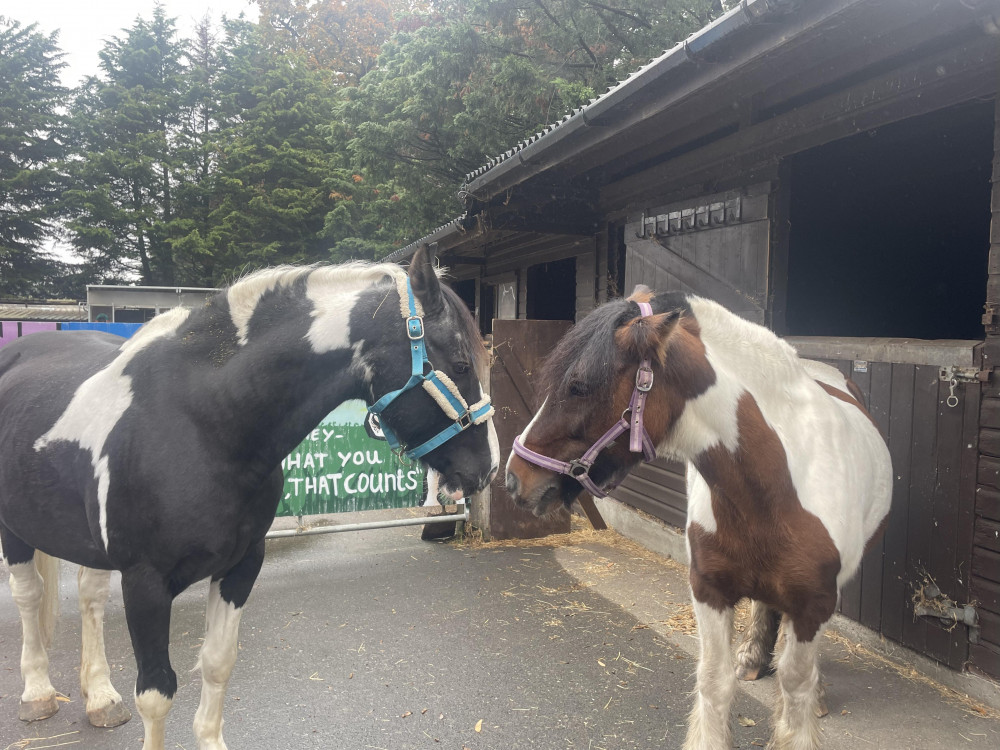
[(519, 346), (925, 555)]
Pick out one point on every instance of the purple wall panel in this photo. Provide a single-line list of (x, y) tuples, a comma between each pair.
[(8, 332), (27, 328)]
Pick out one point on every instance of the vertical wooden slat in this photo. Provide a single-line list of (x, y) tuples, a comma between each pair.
[(942, 552), (921, 498), (879, 398), (965, 514), (894, 563)]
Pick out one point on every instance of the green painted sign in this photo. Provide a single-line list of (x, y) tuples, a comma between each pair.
[(340, 468)]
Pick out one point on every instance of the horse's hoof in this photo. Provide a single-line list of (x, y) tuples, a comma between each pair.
[(821, 710), (433, 531), (747, 674), (37, 710), (112, 715)]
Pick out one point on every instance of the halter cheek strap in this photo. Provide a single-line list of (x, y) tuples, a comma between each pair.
[(631, 422), (440, 387)]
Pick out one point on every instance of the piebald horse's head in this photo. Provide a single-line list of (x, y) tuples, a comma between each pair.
[(441, 417), (589, 384)]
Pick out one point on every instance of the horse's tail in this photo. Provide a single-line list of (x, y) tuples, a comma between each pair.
[(48, 568)]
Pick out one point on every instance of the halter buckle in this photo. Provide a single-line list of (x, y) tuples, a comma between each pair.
[(414, 327), (644, 379), (464, 420), (578, 468)]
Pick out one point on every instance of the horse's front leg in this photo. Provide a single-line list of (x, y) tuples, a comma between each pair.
[(800, 699), (147, 610), (226, 597), (708, 725), (36, 593), (104, 704), (753, 657)]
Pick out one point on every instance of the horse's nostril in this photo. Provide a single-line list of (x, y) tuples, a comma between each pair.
[(512, 483)]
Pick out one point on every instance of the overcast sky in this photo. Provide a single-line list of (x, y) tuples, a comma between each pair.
[(83, 25)]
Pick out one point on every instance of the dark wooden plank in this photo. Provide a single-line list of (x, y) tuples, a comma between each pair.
[(658, 509), (986, 658), (987, 594), (988, 503), (987, 534), (944, 555), (989, 626), (989, 442), (989, 472), (895, 591), (967, 491), (920, 519), (989, 413), (879, 398), (986, 564), (590, 510)]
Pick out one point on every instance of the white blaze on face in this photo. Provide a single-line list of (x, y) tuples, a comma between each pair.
[(100, 401), (524, 435)]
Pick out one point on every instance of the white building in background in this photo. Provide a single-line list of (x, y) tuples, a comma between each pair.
[(137, 304)]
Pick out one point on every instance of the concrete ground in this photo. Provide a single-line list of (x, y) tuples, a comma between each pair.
[(376, 640)]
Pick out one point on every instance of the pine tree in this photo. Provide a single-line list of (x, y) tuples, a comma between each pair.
[(121, 201), (30, 146)]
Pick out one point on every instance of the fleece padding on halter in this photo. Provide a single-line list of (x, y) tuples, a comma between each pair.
[(440, 387)]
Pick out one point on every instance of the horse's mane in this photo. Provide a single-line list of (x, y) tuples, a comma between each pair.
[(587, 353), (754, 353), (244, 294)]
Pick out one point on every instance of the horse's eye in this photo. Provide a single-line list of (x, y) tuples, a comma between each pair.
[(460, 368), (576, 388)]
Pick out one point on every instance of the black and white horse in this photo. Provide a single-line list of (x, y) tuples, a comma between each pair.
[(160, 456)]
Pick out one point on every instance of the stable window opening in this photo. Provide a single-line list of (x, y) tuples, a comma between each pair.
[(889, 230), (551, 290)]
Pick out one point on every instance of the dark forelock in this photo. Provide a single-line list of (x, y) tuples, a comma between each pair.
[(587, 353)]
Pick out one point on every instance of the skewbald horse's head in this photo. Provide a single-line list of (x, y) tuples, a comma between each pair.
[(587, 384)]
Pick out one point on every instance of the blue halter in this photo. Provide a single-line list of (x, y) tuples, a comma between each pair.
[(445, 394)]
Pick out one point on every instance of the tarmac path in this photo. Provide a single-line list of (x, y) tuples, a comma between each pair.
[(376, 640)]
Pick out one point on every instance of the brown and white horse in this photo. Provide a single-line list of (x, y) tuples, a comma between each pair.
[(788, 478)]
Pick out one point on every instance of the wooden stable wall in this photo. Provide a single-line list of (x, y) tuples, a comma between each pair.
[(986, 550), (934, 456)]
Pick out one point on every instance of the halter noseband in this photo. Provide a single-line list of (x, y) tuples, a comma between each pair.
[(440, 387), (631, 422)]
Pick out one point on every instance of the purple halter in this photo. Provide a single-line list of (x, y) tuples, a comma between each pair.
[(631, 422)]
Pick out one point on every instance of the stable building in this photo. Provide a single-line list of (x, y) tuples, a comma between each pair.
[(827, 168)]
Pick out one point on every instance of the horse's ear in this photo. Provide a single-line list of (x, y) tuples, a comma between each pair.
[(648, 337), (424, 280), (641, 293)]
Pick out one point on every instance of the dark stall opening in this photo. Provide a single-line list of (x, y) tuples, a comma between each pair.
[(467, 291), (551, 290), (890, 229)]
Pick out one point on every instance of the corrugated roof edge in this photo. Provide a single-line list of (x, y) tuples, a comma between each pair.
[(455, 226), (742, 15)]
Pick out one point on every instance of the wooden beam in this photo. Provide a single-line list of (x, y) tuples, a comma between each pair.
[(915, 89)]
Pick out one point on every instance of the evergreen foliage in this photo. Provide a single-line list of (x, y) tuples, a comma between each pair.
[(326, 131), (31, 145)]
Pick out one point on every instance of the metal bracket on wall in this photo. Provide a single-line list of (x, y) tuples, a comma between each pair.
[(931, 602), (991, 317)]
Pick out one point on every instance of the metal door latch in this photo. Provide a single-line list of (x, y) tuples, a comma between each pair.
[(955, 375)]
